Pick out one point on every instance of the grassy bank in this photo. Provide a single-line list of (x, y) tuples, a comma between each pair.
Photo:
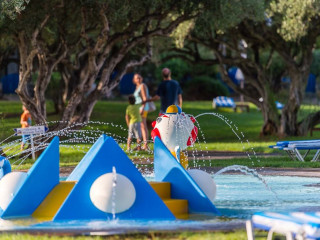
[(275, 162), (216, 126), (219, 131)]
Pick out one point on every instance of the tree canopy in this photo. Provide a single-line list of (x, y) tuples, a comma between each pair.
[(87, 41), (94, 43), (267, 41)]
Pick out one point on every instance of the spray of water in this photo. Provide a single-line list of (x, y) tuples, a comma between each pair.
[(78, 137), (235, 130), (248, 171), (114, 185)]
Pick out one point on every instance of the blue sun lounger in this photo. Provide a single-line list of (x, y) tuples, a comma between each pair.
[(293, 148), (294, 225)]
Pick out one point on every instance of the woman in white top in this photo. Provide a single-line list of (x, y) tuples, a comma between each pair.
[(141, 94)]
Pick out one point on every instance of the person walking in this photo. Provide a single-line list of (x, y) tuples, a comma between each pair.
[(141, 94), (169, 92)]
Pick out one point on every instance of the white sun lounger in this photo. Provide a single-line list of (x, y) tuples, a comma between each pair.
[(293, 149), (294, 225)]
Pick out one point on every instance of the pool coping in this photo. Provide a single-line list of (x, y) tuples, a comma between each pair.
[(119, 230)]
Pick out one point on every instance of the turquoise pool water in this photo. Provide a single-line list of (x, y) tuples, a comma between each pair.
[(241, 196), (238, 197)]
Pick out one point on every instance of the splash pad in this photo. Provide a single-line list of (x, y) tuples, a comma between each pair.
[(106, 183), (74, 203)]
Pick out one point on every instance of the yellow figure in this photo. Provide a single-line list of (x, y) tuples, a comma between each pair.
[(173, 109), (183, 159)]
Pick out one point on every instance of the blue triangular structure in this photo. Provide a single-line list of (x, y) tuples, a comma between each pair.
[(78, 205), (167, 169), (42, 177), (86, 160)]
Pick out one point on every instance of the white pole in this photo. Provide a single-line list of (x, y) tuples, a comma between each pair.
[(242, 87), (32, 146)]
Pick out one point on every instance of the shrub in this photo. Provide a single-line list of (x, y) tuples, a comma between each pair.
[(204, 88)]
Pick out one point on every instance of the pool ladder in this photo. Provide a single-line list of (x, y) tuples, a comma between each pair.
[(178, 207)]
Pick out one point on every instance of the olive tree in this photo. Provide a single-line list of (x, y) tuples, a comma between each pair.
[(88, 39), (266, 40)]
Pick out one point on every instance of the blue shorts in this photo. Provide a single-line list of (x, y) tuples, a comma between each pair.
[(25, 138)]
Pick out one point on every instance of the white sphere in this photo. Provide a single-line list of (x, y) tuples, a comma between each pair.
[(9, 185), (205, 182), (106, 190)]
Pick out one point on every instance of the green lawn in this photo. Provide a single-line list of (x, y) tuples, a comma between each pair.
[(217, 235), (212, 127), (219, 131), (275, 162)]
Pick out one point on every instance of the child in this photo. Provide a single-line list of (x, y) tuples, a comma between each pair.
[(25, 121), (133, 119)]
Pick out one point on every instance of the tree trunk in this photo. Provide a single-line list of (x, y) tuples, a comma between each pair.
[(104, 53), (309, 122), (289, 116), (27, 56), (32, 49), (256, 88), (85, 110), (271, 119)]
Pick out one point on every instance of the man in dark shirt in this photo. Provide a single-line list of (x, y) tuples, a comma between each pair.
[(169, 91)]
